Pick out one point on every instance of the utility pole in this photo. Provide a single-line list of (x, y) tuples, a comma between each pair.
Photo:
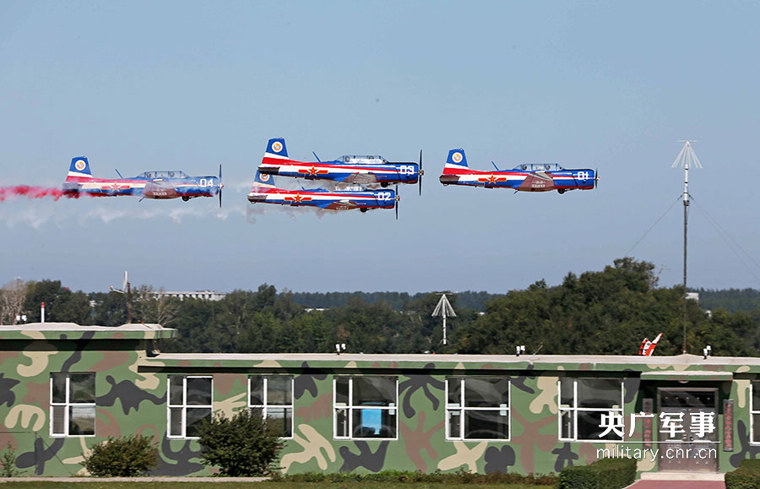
[(686, 158)]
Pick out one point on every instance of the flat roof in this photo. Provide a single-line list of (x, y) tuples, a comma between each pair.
[(73, 331), (711, 368)]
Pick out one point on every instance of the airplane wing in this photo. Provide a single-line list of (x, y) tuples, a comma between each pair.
[(361, 178), (340, 205), (537, 181)]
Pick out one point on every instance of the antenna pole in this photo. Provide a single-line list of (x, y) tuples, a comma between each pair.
[(685, 242), (444, 328), (685, 158)]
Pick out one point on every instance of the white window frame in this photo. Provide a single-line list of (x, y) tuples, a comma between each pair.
[(753, 410), (68, 404), (184, 405), (454, 409), (351, 407), (574, 410), (266, 405)]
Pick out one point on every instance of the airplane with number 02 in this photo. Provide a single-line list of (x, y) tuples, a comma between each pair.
[(160, 184), (529, 177), (263, 191), (350, 169)]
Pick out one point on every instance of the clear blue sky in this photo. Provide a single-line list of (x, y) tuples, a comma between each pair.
[(189, 85)]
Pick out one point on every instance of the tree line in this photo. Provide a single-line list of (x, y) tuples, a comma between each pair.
[(599, 312)]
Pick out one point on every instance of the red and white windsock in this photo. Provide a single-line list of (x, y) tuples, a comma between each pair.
[(647, 347), (42, 313)]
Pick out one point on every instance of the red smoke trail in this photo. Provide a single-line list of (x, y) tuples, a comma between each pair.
[(33, 192)]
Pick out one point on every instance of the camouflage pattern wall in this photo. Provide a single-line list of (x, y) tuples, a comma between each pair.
[(132, 384)]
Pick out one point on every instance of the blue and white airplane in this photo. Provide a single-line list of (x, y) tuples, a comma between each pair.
[(528, 177), (349, 169), (263, 191), (160, 184)]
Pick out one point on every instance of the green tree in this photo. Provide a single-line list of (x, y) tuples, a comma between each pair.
[(607, 312), (110, 308), (61, 305)]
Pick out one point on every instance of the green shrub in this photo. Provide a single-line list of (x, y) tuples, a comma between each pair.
[(122, 457), (392, 476), (243, 446), (8, 463), (742, 479), (747, 476), (609, 473)]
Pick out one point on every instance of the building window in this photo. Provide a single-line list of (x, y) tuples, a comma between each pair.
[(271, 396), (477, 408), (190, 399), (591, 409), (365, 407), (72, 401), (754, 411)]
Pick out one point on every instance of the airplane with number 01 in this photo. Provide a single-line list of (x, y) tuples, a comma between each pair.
[(161, 184), (263, 191), (350, 169), (528, 177)]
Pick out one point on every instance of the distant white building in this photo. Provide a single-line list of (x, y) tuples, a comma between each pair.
[(207, 295), (694, 296)]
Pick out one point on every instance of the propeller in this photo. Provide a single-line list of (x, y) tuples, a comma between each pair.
[(596, 177), (220, 186), (397, 199), (421, 172)]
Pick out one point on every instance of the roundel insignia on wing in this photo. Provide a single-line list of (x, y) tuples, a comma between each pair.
[(264, 176), (80, 165), (277, 146), (456, 157)]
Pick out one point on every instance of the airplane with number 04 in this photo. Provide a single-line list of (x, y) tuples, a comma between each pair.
[(528, 177), (161, 184), (349, 169), (263, 191)]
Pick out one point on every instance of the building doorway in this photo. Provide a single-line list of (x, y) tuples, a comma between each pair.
[(687, 429)]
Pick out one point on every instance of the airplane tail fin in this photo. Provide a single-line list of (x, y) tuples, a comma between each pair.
[(262, 180), (276, 148), (80, 168), (456, 159)]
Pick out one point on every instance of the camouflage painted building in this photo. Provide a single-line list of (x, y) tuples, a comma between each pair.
[(64, 388)]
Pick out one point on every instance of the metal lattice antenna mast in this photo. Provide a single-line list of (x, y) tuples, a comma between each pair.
[(685, 159), (444, 309)]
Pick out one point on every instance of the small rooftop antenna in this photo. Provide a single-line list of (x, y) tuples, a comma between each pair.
[(444, 310), (685, 159)]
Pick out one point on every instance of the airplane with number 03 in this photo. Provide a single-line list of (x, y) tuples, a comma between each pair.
[(263, 191), (528, 177), (160, 184), (349, 169)]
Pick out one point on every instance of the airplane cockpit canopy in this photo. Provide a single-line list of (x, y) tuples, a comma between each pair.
[(162, 174), (539, 167), (364, 159)]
